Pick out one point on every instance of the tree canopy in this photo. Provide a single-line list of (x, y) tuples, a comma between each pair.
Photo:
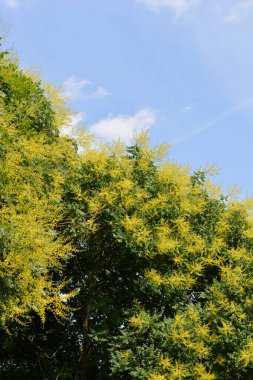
[(123, 264), (34, 163)]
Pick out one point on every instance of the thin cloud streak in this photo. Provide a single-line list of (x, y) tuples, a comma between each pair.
[(212, 123)]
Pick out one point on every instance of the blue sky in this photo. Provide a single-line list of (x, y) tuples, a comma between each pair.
[(182, 68)]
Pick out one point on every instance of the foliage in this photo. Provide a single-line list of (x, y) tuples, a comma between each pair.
[(159, 260), (34, 163), (164, 268)]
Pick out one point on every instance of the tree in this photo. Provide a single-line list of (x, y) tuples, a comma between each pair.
[(163, 270), (159, 260), (34, 163)]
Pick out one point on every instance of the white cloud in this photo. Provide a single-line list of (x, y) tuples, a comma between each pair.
[(213, 122), (99, 93), (12, 3), (123, 127), (69, 130), (177, 6), (239, 10), (73, 87)]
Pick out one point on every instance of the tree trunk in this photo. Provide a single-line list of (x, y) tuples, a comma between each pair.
[(81, 373)]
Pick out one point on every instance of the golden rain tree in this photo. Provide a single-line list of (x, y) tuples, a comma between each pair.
[(161, 261), (34, 164), (164, 269)]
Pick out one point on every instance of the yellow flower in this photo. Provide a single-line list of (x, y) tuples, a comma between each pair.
[(212, 308), (132, 223), (217, 244), (91, 226), (213, 190), (178, 260), (249, 233), (196, 268), (212, 170), (94, 206), (193, 314), (163, 229), (172, 172), (178, 371), (156, 376), (245, 357), (142, 235), (196, 244), (178, 280), (222, 228), (182, 225), (202, 374), (166, 245), (238, 253), (125, 354), (220, 360), (200, 371), (125, 186), (154, 276), (139, 320), (246, 354), (164, 361), (226, 328), (203, 331), (201, 350)]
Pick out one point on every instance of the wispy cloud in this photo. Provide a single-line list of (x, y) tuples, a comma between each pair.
[(75, 89), (99, 93), (14, 4), (213, 122), (177, 6), (239, 10), (123, 127)]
